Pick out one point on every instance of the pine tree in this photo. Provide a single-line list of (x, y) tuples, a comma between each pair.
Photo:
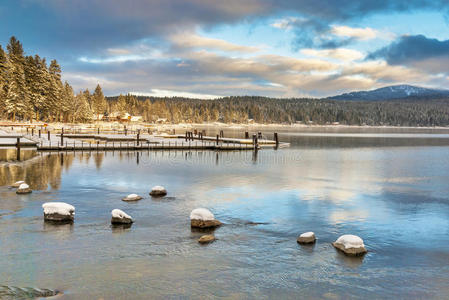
[(98, 102), (55, 89), (120, 107), (4, 76), (17, 93), (67, 101)]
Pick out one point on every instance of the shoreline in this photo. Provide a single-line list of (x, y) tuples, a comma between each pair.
[(214, 124)]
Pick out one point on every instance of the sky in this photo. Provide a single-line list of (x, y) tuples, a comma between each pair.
[(209, 49)]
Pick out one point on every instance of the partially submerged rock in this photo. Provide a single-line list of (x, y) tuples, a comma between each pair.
[(351, 245), (58, 212), (205, 239), (158, 191), (120, 217), (17, 184), (306, 238), (132, 197), (23, 189), (203, 218)]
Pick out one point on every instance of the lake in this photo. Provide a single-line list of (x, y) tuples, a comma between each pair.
[(389, 186)]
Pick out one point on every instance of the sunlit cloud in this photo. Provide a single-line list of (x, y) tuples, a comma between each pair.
[(358, 33)]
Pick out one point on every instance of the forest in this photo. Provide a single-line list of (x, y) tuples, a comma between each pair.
[(31, 90)]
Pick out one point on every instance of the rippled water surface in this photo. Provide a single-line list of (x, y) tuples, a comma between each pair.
[(391, 187)]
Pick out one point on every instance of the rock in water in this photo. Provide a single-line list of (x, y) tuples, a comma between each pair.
[(158, 191), (351, 245), (17, 184), (132, 197), (203, 218), (120, 217), (306, 238), (58, 212), (205, 239), (23, 189)]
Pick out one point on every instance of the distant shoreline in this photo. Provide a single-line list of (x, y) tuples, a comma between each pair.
[(215, 124)]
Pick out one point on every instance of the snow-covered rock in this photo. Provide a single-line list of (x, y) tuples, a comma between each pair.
[(208, 238), (23, 189), (350, 244), (158, 191), (120, 217), (58, 211), (132, 197), (17, 184), (307, 238), (203, 218)]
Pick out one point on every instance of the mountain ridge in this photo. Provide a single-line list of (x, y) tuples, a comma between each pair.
[(391, 92)]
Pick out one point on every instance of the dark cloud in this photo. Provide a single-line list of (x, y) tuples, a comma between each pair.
[(411, 49)]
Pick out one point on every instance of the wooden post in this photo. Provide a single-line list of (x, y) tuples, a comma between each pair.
[(27, 130), (138, 137), (98, 130), (40, 133), (48, 133), (218, 137), (187, 133), (246, 135), (18, 148), (32, 131), (276, 139), (126, 130), (221, 134), (62, 138)]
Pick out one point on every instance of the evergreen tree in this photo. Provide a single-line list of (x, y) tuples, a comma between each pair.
[(98, 102)]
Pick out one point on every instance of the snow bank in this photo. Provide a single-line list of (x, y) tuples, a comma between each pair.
[(60, 208), (202, 214), (350, 244)]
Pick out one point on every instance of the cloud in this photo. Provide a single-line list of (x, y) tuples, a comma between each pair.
[(357, 33), (192, 40), (342, 54), (417, 51)]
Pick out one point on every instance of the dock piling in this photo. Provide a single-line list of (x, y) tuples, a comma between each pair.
[(18, 149)]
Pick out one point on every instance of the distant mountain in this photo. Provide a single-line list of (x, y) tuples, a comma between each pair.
[(393, 92)]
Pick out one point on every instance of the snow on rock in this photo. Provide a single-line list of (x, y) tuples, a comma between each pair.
[(120, 217), (350, 244), (23, 189), (203, 218), (58, 211), (307, 238), (205, 239), (158, 191), (17, 184), (132, 197)]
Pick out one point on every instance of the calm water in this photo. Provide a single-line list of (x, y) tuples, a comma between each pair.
[(391, 187)]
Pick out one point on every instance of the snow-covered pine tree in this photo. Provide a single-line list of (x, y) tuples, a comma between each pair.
[(17, 94), (98, 102)]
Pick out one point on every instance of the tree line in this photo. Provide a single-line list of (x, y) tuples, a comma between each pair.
[(31, 90)]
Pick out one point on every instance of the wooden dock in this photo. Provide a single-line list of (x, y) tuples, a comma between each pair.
[(110, 141)]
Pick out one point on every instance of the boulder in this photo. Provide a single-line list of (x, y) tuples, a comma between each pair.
[(23, 189), (205, 239), (203, 218), (58, 212), (306, 238), (158, 191), (120, 217), (132, 197), (17, 184), (350, 245)]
